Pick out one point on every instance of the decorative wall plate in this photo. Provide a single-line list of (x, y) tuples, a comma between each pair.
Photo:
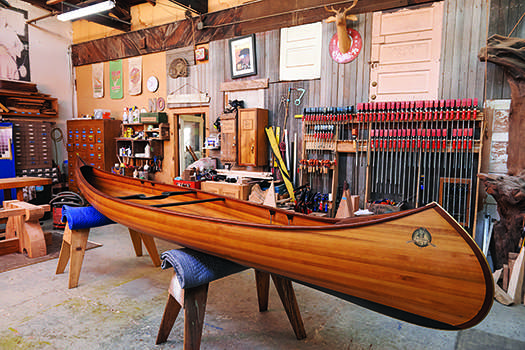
[(178, 68)]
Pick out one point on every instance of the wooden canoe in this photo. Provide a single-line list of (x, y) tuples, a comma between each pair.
[(418, 265)]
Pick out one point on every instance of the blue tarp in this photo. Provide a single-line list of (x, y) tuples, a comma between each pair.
[(83, 217), (195, 268)]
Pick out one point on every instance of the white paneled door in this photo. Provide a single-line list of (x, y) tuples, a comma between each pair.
[(406, 46)]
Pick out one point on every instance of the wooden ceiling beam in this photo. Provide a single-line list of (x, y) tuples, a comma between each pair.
[(123, 13), (246, 19), (200, 6)]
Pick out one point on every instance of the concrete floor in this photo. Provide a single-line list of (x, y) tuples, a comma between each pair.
[(120, 299)]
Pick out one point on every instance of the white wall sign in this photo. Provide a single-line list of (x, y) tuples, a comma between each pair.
[(135, 75), (300, 56), (97, 76)]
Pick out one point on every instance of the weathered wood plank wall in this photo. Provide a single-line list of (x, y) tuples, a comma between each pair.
[(504, 15), (464, 33), (462, 74)]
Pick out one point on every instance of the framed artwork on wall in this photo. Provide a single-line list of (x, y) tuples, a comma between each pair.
[(14, 45), (243, 58)]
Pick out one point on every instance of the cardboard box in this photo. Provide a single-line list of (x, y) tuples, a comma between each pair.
[(153, 118)]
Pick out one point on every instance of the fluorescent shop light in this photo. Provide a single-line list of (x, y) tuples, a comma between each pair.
[(86, 11)]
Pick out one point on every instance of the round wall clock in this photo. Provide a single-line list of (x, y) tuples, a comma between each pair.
[(152, 83)]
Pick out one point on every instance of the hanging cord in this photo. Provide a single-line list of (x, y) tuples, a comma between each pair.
[(196, 65), (57, 136), (519, 20)]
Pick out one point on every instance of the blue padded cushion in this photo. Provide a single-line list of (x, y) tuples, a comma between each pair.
[(195, 268), (83, 217)]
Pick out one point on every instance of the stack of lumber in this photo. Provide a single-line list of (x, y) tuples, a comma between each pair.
[(25, 105), (511, 290), (18, 86), (23, 97)]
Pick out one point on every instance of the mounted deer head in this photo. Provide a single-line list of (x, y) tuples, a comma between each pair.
[(340, 18)]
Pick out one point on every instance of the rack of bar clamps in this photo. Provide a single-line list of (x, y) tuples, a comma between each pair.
[(323, 127), (424, 151)]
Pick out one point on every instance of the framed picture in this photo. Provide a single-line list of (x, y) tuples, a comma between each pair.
[(243, 59)]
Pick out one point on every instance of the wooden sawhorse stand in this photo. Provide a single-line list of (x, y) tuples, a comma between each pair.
[(193, 300), (74, 246)]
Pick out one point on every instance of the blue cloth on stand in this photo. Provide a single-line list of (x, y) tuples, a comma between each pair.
[(83, 217), (194, 268)]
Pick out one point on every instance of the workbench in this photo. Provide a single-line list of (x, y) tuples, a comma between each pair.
[(19, 183)]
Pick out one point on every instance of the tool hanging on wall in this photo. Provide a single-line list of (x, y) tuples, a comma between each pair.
[(282, 166)]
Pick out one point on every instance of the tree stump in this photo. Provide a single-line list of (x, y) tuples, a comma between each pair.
[(509, 193)]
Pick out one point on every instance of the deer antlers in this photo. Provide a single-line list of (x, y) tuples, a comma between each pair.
[(340, 18), (343, 13)]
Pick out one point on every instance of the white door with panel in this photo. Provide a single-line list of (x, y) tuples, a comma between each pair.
[(406, 47)]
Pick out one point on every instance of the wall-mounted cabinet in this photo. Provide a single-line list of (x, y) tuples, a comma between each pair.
[(243, 139), (253, 144), (229, 138)]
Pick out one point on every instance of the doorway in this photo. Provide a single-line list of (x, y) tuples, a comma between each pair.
[(191, 139)]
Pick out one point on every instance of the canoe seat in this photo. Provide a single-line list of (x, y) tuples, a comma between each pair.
[(78, 222), (189, 290)]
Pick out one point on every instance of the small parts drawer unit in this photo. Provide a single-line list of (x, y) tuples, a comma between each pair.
[(94, 142), (32, 144)]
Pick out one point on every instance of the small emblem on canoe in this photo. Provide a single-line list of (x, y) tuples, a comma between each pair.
[(421, 237)]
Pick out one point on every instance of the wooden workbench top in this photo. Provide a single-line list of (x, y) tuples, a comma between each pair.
[(17, 182)]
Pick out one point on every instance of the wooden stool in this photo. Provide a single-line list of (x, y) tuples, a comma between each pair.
[(23, 226), (74, 246), (193, 300)]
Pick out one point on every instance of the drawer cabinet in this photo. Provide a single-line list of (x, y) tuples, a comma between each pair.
[(94, 142), (32, 144)]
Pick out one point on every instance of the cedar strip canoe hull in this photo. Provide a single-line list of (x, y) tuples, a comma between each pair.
[(418, 265)]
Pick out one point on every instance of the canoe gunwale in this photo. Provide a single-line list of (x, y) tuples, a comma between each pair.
[(331, 224)]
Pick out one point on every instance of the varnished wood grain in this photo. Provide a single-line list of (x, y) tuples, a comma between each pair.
[(19, 182), (446, 285)]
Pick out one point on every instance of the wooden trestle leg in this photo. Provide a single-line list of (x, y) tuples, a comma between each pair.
[(262, 280), (194, 302), (286, 294), (149, 243), (74, 245)]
